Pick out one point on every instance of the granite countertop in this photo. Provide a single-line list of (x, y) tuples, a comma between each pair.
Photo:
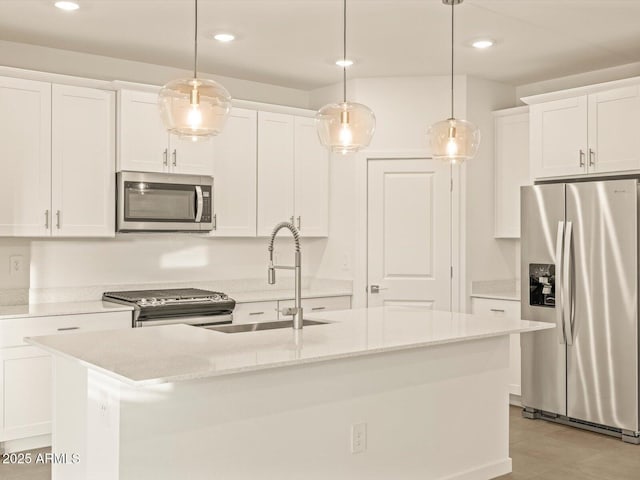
[(60, 308), (173, 353)]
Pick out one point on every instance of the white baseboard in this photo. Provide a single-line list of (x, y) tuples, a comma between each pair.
[(515, 400), (485, 472), (22, 444)]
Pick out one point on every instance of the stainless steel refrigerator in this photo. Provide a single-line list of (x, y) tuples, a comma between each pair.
[(580, 272)]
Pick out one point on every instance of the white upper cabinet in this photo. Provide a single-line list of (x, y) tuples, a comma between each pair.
[(145, 146), (83, 162), (143, 143), (311, 204), (235, 175), (293, 175), (511, 161), (25, 135), (275, 170), (614, 117), (594, 133), (559, 137)]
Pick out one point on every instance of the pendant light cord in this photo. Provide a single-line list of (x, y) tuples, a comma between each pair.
[(452, 10), (344, 50), (195, 43)]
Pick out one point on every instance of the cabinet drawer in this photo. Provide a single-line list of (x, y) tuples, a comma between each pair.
[(13, 331), (255, 312), (491, 307), (320, 304)]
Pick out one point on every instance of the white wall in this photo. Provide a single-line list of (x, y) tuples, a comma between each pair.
[(487, 258), (8, 248), (160, 258), (44, 59)]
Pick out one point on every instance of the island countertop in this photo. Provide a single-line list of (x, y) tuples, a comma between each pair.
[(173, 353)]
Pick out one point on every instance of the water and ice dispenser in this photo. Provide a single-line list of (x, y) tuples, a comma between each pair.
[(542, 285)]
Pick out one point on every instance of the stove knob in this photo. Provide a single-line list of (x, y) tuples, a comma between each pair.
[(143, 301), (215, 297)]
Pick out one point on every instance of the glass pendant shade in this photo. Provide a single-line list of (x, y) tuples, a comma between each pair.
[(345, 127), (194, 107), (453, 140)]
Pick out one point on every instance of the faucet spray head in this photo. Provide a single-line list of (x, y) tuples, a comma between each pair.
[(271, 274)]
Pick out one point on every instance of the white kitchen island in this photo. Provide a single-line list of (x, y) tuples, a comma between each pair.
[(380, 393)]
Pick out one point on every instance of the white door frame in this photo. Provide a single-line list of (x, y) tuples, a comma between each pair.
[(458, 283)]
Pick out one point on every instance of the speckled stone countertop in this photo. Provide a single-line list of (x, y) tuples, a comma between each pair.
[(173, 353)]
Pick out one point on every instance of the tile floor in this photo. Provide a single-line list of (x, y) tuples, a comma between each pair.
[(540, 451)]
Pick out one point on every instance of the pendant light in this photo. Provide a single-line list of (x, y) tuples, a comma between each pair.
[(194, 107), (453, 139), (345, 127)]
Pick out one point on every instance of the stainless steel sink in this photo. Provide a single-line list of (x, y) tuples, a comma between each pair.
[(254, 327)]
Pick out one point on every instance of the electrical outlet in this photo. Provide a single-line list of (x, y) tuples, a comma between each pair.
[(358, 437), (16, 264)]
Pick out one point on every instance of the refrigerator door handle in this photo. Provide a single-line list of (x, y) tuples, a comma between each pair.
[(560, 285), (567, 285)]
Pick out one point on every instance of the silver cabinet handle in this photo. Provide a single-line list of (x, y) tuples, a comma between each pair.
[(165, 157), (291, 220), (58, 219), (46, 219), (66, 329), (581, 158), (257, 313), (299, 222), (215, 221), (318, 308), (592, 157), (497, 310), (174, 156)]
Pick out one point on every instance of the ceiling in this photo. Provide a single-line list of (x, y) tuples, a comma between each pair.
[(294, 43)]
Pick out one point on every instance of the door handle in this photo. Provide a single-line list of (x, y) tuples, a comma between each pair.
[(299, 222), (592, 157), (199, 203), (46, 219), (567, 285), (376, 288), (58, 219), (581, 158), (215, 221), (165, 157), (174, 156), (559, 285)]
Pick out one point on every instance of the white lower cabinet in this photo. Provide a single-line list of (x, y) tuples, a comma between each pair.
[(507, 309), (25, 371), (251, 312)]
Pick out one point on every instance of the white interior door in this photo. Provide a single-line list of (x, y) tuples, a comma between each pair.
[(409, 233)]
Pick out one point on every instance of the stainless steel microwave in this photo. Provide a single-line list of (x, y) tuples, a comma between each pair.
[(163, 202)]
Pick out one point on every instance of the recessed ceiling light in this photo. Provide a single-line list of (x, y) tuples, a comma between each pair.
[(67, 5), (483, 43), (224, 37), (344, 63)]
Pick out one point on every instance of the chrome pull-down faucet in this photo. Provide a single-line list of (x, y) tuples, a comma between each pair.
[(296, 311)]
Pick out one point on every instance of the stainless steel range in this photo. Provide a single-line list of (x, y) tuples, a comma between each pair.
[(202, 308)]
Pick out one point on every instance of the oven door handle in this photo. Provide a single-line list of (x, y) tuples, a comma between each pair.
[(199, 203)]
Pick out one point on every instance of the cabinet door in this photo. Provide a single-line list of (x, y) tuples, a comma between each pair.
[(614, 143), (235, 171), (25, 136), (83, 162), (254, 312), (317, 305), (511, 171), (25, 385), (492, 308), (559, 137), (192, 157), (275, 170), (143, 142), (311, 180)]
